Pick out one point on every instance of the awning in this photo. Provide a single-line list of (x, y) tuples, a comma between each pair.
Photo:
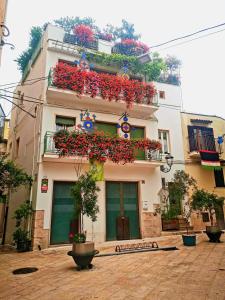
[(210, 160)]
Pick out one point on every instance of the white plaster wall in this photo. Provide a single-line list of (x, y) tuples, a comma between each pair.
[(169, 118)]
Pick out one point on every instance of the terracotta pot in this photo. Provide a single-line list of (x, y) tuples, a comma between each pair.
[(83, 248)]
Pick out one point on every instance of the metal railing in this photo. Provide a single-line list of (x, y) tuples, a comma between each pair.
[(49, 147), (72, 39), (201, 141)]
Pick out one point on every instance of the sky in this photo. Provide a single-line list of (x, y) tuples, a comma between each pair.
[(203, 60)]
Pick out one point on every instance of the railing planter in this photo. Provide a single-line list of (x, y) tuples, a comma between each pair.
[(109, 87)]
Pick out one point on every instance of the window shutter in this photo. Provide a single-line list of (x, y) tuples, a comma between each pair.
[(138, 133), (192, 139), (107, 128), (65, 121)]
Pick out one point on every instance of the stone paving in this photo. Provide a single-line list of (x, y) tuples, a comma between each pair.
[(188, 273)]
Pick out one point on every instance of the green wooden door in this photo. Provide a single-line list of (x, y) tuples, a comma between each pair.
[(122, 200), (112, 208), (62, 212), (130, 206), (138, 133)]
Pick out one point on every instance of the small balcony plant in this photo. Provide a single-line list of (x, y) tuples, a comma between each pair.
[(208, 202)]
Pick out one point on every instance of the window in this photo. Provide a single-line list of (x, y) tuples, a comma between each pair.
[(219, 178), (205, 217), (162, 95), (164, 140), (17, 146), (108, 128), (65, 123), (163, 182), (138, 133), (201, 138)]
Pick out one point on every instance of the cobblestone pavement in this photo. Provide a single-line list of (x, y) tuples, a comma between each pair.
[(188, 273)]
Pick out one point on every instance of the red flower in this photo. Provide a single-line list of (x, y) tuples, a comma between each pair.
[(84, 33), (108, 86)]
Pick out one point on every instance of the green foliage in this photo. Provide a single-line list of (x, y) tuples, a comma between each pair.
[(79, 238), (23, 59), (85, 196), (205, 201), (171, 213), (151, 70), (11, 176), (126, 31), (22, 215), (67, 23), (171, 73), (20, 235)]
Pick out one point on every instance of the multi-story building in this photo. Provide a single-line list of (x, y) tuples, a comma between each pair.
[(130, 190), (203, 138)]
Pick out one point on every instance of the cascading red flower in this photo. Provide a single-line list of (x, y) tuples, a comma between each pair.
[(101, 147), (110, 87), (131, 47)]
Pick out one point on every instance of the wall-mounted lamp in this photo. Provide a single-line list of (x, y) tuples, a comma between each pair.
[(169, 162), (5, 32), (144, 58)]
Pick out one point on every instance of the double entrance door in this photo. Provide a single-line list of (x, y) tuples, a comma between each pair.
[(122, 215)]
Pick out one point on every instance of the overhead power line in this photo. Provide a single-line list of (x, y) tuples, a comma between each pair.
[(188, 35), (188, 41), (33, 116), (22, 83), (24, 96)]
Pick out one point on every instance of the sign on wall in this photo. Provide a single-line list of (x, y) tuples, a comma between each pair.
[(44, 185)]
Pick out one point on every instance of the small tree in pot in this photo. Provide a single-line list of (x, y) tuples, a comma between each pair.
[(85, 203), (207, 202)]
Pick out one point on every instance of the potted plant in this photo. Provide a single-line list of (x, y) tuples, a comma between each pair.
[(21, 235), (176, 193), (207, 202), (85, 203), (189, 239)]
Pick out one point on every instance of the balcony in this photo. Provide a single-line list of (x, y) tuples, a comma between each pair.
[(101, 92), (201, 141), (152, 158)]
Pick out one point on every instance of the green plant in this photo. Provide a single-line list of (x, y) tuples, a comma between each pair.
[(79, 238), (205, 201), (170, 214), (85, 201), (22, 215)]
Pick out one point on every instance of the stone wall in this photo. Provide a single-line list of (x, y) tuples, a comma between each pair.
[(40, 235), (151, 225)]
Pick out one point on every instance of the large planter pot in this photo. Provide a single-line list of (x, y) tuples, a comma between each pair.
[(23, 246), (213, 233), (83, 248), (83, 254), (189, 239), (172, 224)]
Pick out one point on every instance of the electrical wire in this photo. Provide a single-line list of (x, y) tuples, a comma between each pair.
[(33, 116), (185, 42), (12, 83), (40, 100), (188, 35)]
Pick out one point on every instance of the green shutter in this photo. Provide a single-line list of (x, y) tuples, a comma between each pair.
[(130, 202), (138, 133), (112, 209), (108, 128), (65, 121), (62, 212)]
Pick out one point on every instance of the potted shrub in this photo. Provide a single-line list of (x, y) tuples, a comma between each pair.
[(85, 203), (21, 235), (205, 201)]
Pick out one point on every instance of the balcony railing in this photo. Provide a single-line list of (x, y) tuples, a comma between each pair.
[(202, 141), (49, 148), (72, 39), (106, 86)]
